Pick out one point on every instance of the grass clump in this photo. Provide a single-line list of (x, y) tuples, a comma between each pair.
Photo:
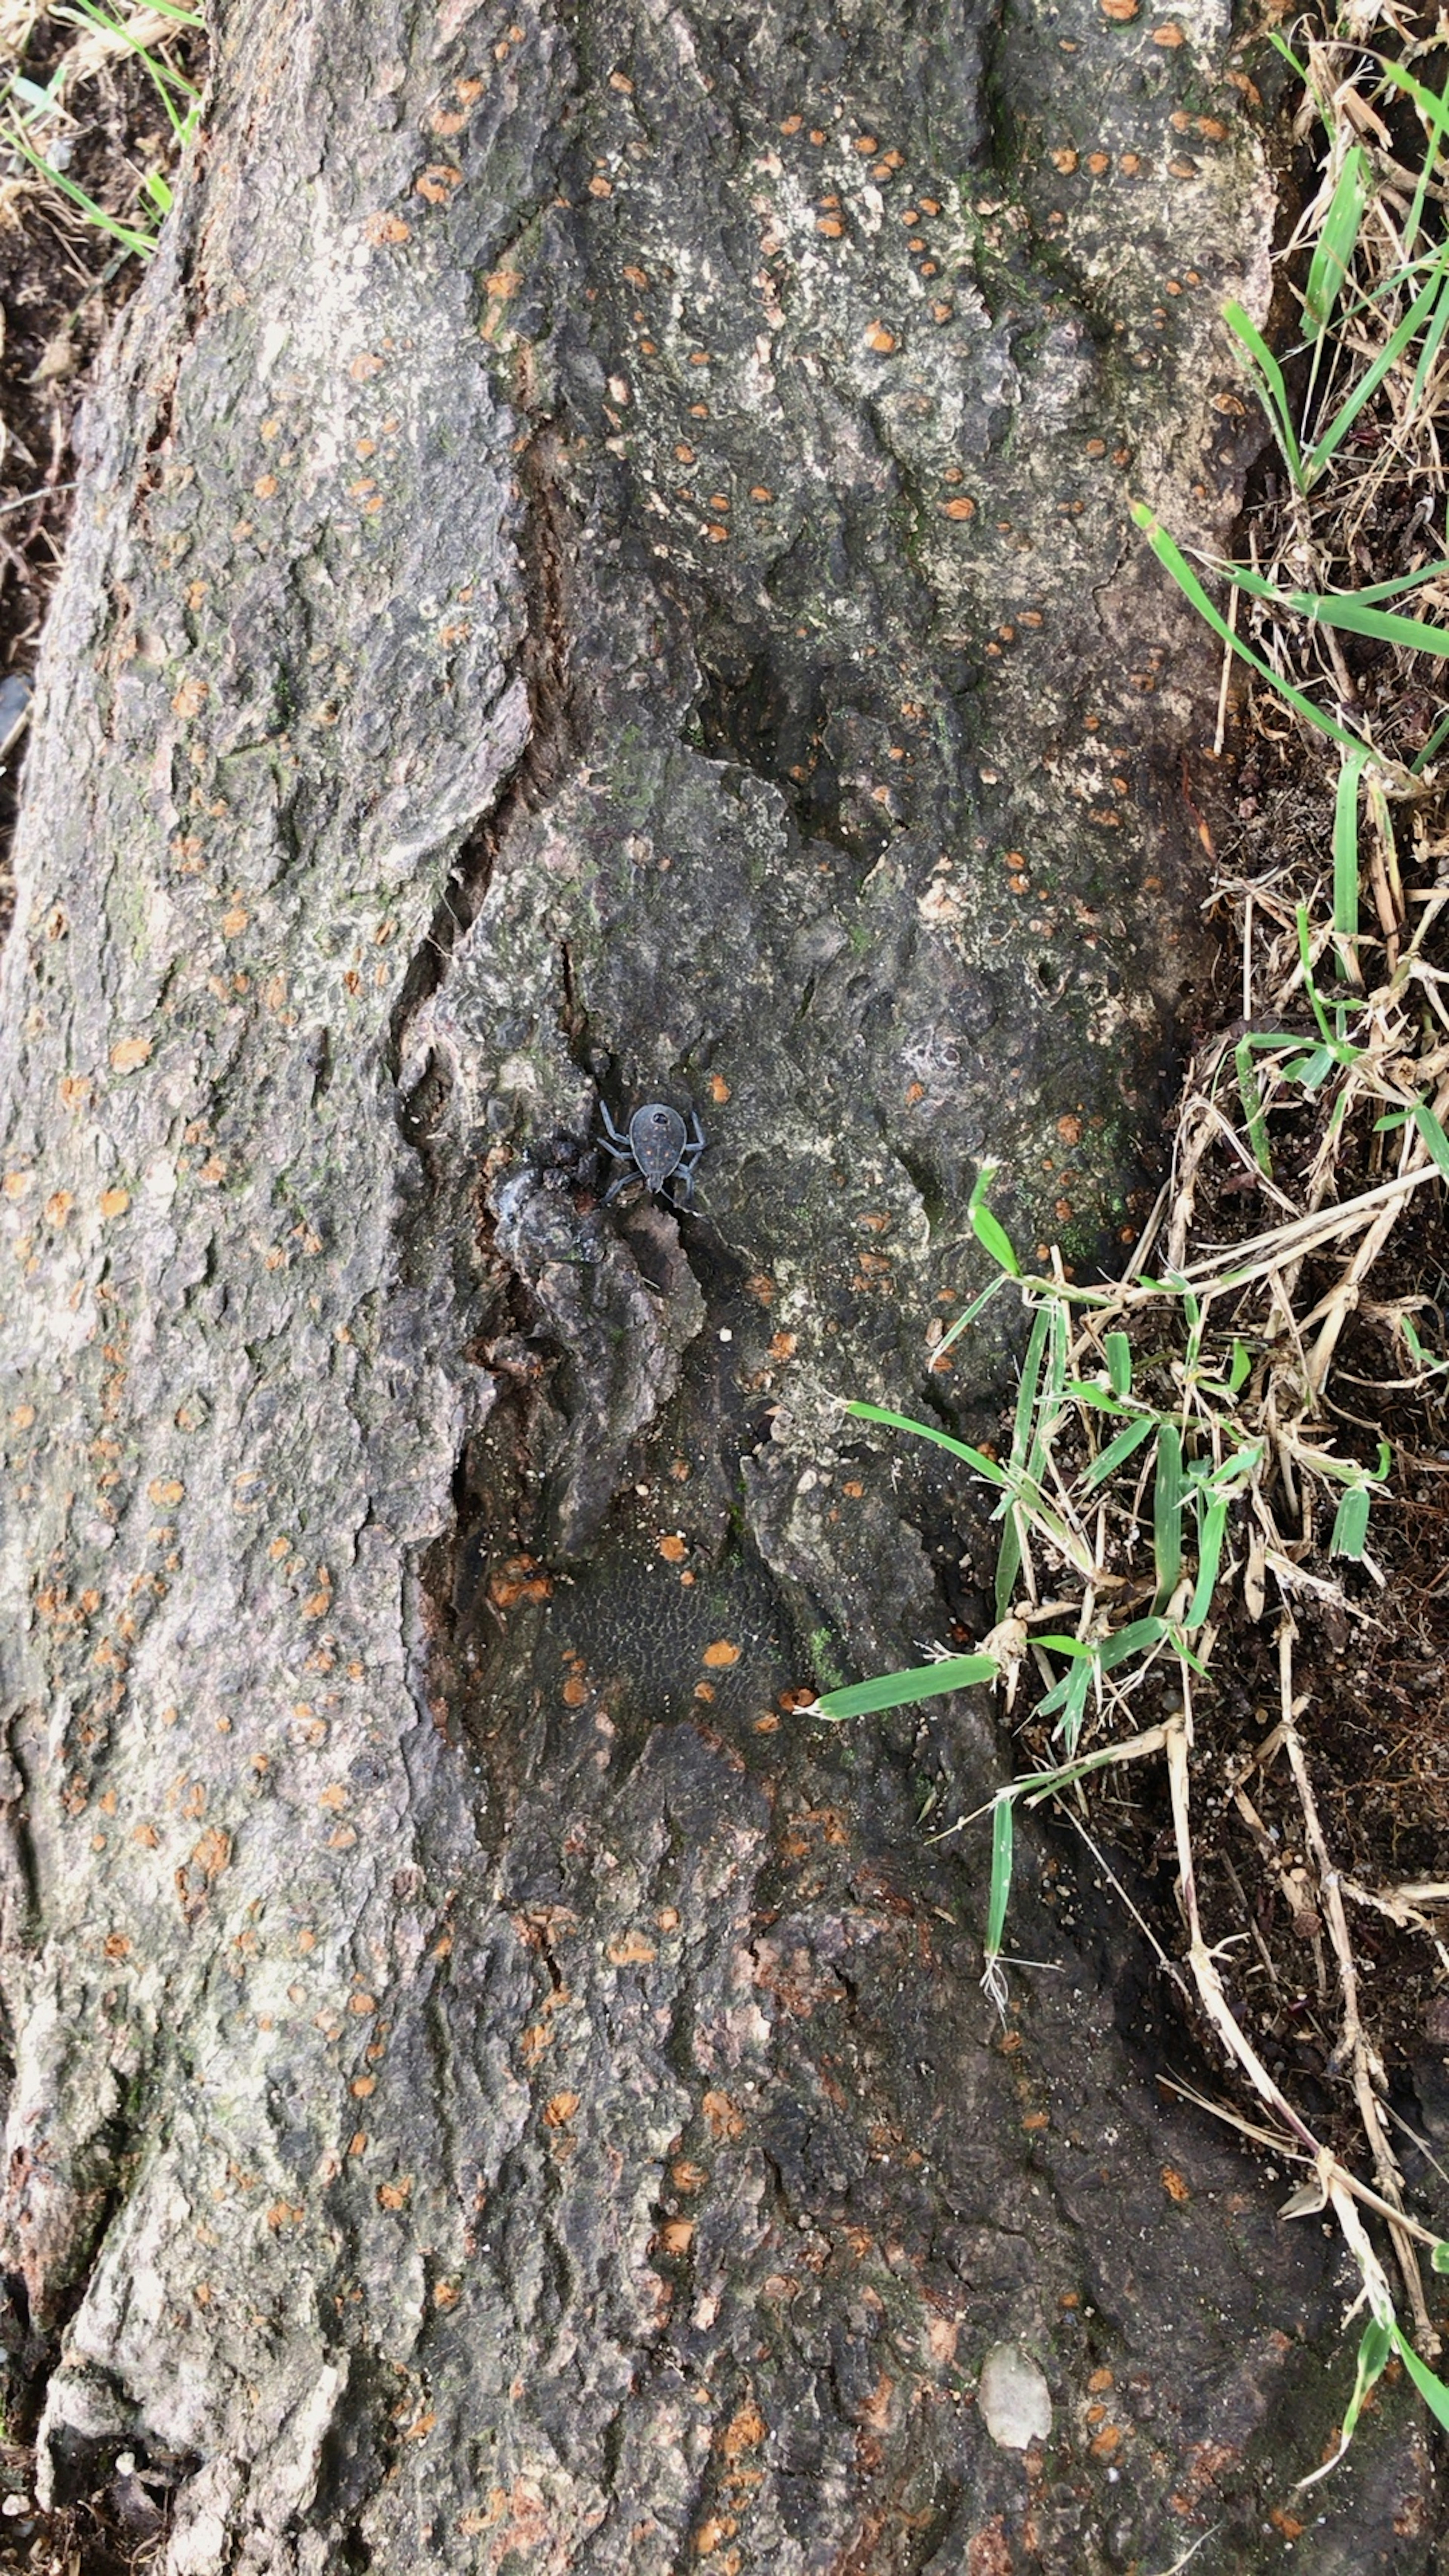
[(44, 124), (1194, 1459)]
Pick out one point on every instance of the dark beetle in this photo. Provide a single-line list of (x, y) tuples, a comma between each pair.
[(656, 1148)]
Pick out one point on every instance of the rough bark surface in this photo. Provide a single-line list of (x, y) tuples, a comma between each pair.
[(603, 572)]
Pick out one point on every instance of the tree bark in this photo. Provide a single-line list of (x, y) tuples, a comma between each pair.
[(602, 572)]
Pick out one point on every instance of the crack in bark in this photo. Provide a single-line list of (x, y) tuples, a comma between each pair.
[(544, 661)]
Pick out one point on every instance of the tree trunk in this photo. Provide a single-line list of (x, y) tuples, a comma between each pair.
[(602, 573)]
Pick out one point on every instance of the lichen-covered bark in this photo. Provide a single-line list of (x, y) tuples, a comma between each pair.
[(602, 570)]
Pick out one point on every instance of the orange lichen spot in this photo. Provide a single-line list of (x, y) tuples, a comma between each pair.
[(1098, 162), (382, 229), (704, 1690), (190, 698), (622, 83), (234, 921), (631, 1950), (213, 1853), (1106, 2442), (1099, 2380), (365, 365), (58, 1207), (676, 2236), (1130, 164), (1064, 160), (22, 1416), (1285, 2523), (559, 2109), (817, 134), (1069, 1128), (760, 1286), (1174, 2185), (831, 226), (880, 339), (783, 1346), (699, 411), (265, 487), (1122, 12), (395, 2195), (575, 1691), (745, 2431), (600, 186), (1036, 2120), (446, 2294), (687, 2176), (721, 1654), (724, 2118), (1182, 168), (673, 1548), (791, 124), (333, 1798), (962, 507), (438, 181), (699, 357), (716, 534), (114, 1202), (867, 144), (1169, 34), (284, 2214)]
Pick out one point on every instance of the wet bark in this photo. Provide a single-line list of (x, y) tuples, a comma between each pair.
[(602, 574)]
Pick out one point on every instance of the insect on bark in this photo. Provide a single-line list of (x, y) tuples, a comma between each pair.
[(655, 1148)]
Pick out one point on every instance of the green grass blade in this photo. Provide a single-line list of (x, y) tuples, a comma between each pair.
[(1252, 1099), (1326, 447), (140, 244), (1350, 1523), (903, 1689), (1432, 747), (1173, 561), (1433, 343), (1428, 2383), (1350, 610), (1069, 1724), (1305, 960), (964, 1322), (1272, 390), (1209, 1558), (1167, 1512), (1026, 1393), (1008, 1561), (1337, 243), (988, 1230), (1003, 1836), (1135, 1639), (1433, 1135), (1118, 1351), (1345, 846), (976, 1458), (1108, 1460)]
